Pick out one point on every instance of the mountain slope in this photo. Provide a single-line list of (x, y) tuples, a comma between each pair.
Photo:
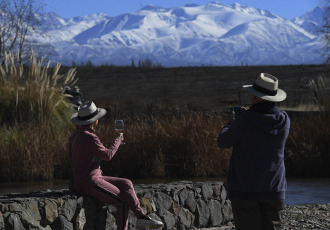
[(210, 34), (312, 21)]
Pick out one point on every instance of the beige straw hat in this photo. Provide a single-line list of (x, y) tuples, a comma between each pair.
[(87, 114), (266, 88)]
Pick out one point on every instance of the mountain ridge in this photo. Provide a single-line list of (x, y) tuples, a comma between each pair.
[(192, 35)]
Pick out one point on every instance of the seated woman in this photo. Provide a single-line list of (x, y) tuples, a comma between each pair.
[(85, 154)]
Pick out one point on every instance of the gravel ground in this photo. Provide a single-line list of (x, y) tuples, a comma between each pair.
[(305, 217), (300, 217)]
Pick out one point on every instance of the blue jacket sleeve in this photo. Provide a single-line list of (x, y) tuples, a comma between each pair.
[(228, 135)]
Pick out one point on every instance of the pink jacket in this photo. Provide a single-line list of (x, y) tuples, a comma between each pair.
[(85, 154)]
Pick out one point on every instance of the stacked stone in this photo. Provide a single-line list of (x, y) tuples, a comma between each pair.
[(180, 205)]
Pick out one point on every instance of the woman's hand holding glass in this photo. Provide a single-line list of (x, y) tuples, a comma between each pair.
[(119, 127)]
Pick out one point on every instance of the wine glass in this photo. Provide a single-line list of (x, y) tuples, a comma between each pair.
[(119, 127)]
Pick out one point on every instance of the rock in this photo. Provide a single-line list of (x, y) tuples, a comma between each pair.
[(68, 209), (207, 191), (3, 208), (175, 194), (215, 213), (50, 212), (186, 218), (112, 209), (223, 195), (227, 212), (169, 220), (183, 195), (2, 223), (110, 222), (80, 220), (217, 190), (191, 202), (179, 205), (203, 213), (61, 223), (13, 222), (27, 210), (146, 204), (155, 217), (163, 202), (198, 192)]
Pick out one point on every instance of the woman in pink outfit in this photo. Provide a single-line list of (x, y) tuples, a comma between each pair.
[(85, 154)]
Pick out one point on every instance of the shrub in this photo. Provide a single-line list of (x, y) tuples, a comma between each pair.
[(34, 119)]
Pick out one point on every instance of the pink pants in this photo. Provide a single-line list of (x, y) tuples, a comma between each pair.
[(114, 191)]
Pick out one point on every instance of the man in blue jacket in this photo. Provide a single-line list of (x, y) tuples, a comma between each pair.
[(256, 181)]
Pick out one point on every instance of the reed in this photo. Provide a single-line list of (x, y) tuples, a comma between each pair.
[(181, 145), (321, 93), (308, 146), (34, 118), (162, 140)]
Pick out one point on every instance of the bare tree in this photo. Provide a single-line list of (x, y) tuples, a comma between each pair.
[(17, 21), (325, 30)]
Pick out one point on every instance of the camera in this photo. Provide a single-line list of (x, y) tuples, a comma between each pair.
[(236, 111)]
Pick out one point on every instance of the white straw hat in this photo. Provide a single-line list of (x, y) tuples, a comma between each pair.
[(87, 114), (266, 88)]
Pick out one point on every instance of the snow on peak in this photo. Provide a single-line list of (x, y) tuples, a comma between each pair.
[(313, 20), (209, 34)]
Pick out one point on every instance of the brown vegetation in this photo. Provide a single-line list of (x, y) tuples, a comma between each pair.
[(172, 119), (34, 120)]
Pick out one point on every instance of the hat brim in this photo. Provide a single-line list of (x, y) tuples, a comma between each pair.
[(280, 96), (75, 119)]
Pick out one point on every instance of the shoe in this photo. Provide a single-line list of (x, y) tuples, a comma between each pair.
[(147, 222)]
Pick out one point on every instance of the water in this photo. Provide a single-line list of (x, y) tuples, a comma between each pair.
[(300, 191), (308, 191)]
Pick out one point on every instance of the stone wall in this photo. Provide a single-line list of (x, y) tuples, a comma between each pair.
[(180, 205)]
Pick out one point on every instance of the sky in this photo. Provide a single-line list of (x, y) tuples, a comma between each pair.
[(288, 9)]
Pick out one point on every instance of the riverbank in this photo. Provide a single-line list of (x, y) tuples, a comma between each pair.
[(300, 217)]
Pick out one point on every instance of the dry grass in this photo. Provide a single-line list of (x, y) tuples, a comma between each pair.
[(308, 146), (163, 138), (181, 145), (34, 118)]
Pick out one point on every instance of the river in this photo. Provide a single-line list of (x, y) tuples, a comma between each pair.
[(300, 191)]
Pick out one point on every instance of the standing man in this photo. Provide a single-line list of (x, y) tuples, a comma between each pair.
[(256, 181)]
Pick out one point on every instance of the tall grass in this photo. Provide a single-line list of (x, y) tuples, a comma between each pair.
[(309, 141), (34, 119), (184, 144), (161, 141), (181, 145), (308, 145), (321, 93)]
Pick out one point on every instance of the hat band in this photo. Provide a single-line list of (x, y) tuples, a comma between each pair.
[(85, 118), (263, 90)]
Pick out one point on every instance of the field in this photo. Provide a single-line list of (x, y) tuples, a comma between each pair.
[(172, 117), (199, 88)]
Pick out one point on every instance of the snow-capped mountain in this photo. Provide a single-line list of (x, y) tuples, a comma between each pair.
[(192, 35), (312, 21)]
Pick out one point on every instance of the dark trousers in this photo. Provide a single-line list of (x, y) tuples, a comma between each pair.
[(257, 214)]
